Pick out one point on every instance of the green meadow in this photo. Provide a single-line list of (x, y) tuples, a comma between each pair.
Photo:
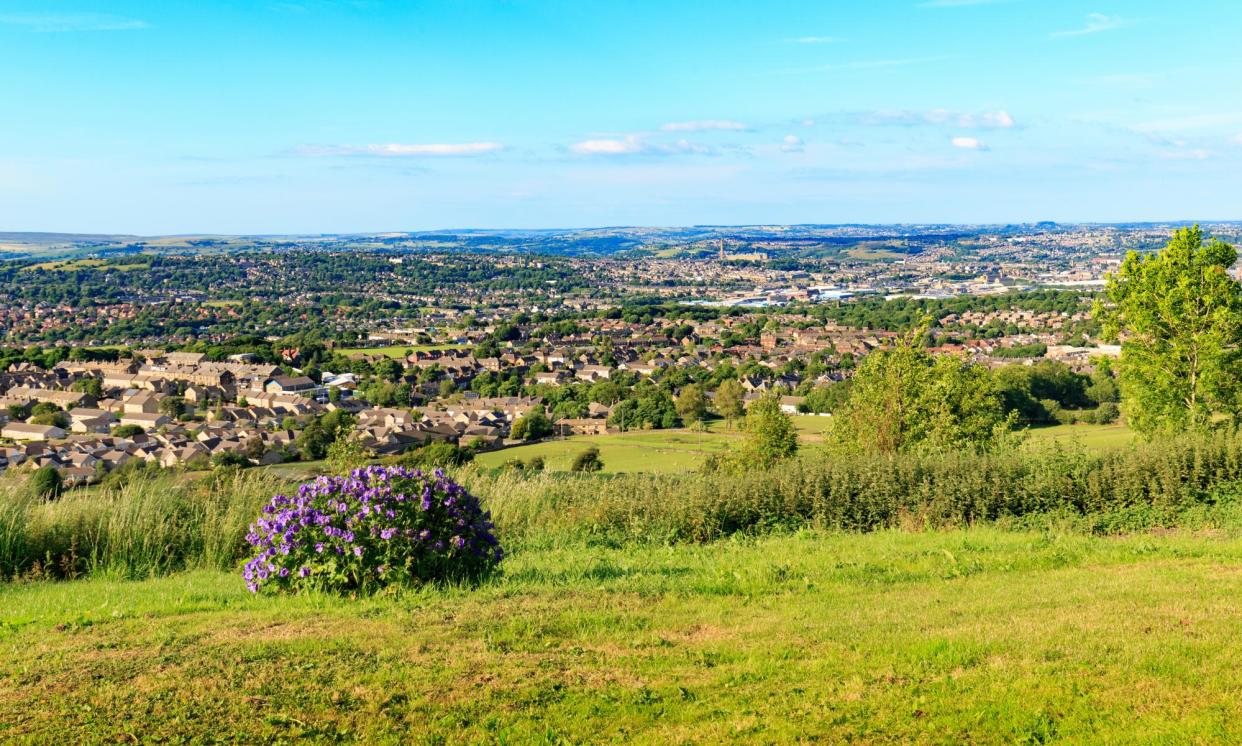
[(683, 450), (966, 636), (395, 351)]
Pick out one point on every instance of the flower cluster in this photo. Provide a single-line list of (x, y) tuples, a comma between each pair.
[(378, 526)]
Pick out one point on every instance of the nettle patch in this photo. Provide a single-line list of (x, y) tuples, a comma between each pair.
[(377, 527)]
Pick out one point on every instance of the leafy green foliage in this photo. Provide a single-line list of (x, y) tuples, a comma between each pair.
[(588, 461), (45, 483), (728, 400), (691, 404), (437, 454), (904, 400), (1179, 316), (770, 434)]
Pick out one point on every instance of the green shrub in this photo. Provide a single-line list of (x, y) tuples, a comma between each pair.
[(46, 483), (588, 461), (864, 492)]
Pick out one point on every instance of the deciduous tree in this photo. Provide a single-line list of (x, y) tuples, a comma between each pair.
[(1178, 315)]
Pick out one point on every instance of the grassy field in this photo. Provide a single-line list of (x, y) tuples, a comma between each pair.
[(72, 264), (656, 451), (978, 636), (673, 451), (872, 252), (395, 351), (1090, 437)]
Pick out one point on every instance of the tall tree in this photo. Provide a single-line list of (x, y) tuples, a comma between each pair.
[(729, 399), (1178, 314), (770, 433), (691, 405), (904, 400)]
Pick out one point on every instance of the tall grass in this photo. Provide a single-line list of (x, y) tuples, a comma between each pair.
[(1153, 483), (168, 523), (143, 528)]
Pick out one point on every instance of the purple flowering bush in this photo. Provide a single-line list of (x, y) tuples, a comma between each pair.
[(377, 527)]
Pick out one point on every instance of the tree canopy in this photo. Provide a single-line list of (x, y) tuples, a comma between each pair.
[(1178, 315)]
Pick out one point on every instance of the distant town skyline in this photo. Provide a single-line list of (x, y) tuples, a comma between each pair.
[(339, 117)]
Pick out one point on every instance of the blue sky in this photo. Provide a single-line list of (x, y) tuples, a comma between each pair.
[(337, 116)]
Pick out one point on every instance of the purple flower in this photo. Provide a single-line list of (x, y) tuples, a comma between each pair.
[(419, 516)]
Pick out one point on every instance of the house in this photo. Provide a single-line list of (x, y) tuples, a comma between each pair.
[(289, 385), (141, 402), (185, 358), (790, 404), (593, 373), (584, 426), (146, 420), (100, 425), (27, 431)]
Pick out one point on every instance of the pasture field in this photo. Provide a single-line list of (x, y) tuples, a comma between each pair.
[(683, 450), (72, 264), (1090, 437), (874, 252), (656, 451), (976, 636), (394, 351)]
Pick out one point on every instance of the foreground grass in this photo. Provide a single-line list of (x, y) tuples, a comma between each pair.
[(977, 636)]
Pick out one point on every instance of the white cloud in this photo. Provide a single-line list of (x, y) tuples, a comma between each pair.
[(815, 40), (968, 143), (629, 145), (999, 119), (635, 145), (56, 22), (1237, 139), (792, 144), (1096, 22), (404, 149), (703, 125)]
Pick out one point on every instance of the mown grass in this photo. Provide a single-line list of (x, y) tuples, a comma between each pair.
[(973, 636), (395, 351), (649, 451), (671, 451), (1089, 437)]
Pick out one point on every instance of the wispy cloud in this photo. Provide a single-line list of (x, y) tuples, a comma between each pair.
[(1194, 154), (997, 119), (58, 22), (402, 149), (867, 64), (1193, 122), (1096, 22), (636, 145), (703, 125), (968, 143), (792, 144), (1237, 139), (814, 40)]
